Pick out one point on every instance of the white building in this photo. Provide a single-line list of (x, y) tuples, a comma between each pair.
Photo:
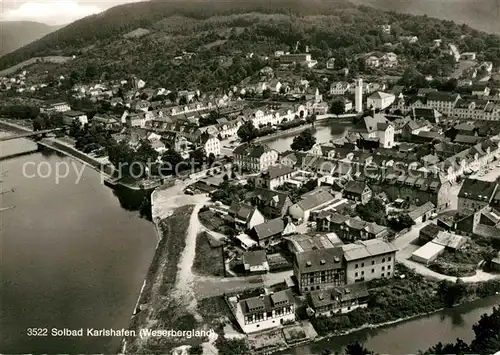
[(265, 311), (58, 107), (385, 133), (359, 96), (313, 202), (428, 253), (70, 116), (380, 100), (368, 260), (210, 144), (372, 62), (339, 88)]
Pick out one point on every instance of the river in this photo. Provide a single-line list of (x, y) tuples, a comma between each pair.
[(74, 256), (413, 335), (71, 255), (323, 133)]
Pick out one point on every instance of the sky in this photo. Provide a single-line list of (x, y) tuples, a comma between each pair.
[(53, 12)]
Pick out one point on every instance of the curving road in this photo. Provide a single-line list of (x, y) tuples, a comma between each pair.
[(406, 249)]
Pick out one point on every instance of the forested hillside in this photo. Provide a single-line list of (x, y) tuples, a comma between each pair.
[(121, 19), (221, 35), (483, 15)]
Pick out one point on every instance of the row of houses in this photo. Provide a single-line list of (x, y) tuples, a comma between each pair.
[(453, 105)]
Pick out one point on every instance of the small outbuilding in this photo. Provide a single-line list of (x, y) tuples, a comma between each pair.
[(428, 253)]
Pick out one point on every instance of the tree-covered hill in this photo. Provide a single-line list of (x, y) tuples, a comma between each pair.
[(124, 18), (221, 35)]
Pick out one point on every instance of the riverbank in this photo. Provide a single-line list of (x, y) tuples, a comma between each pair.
[(107, 171)]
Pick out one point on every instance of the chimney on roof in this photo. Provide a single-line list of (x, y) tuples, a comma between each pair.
[(322, 262), (336, 259), (308, 263)]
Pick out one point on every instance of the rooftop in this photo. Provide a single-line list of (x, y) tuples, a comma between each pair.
[(254, 258), (367, 248), (320, 259), (322, 298), (269, 228)]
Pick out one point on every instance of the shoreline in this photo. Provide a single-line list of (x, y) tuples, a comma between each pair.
[(159, 235), (64, 148), (330, 337)]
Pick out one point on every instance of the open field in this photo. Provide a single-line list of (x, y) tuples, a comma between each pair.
[(208, 260)]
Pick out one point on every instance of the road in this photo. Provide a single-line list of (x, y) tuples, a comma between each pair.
[(406, 249)]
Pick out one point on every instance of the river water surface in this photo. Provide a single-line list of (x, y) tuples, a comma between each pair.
[(73, 256)]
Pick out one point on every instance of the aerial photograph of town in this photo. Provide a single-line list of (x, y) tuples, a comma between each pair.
[(250, 177)]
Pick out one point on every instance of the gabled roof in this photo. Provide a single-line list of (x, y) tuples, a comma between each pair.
[(421, 210), (269, 228), (242, 211), (466, 139), (380, 95), (254, 151), (355, 187), (372, 122), (267, 195), (254, 258), (431, 230), (315, 200), (276, 171), (320, 259), (442, 96), (338, 295)]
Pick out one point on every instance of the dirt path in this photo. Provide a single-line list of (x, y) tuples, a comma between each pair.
[(480, 275), (184, 289), (406, 249)]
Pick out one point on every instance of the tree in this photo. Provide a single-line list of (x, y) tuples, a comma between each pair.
[(121, 156), (311, 119), (75, 129), (337, 107), (357, 349), (183, 100), (401, 222), (172, 96), (304, 141), (373, 211), (450, 292), (487, 333), (170, 160), (247, 131), (196, 350), (266, 93), (146, 153), (197, 157), (460, 347)]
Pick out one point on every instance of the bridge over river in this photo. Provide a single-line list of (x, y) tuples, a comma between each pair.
[(28, 134)]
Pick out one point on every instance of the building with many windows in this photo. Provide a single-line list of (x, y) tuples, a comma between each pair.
[(338, 300), (319, 269), (254, 157), (368, 260), (265, 311)]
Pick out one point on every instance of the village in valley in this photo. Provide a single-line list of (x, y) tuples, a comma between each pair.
[(321, 237)]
